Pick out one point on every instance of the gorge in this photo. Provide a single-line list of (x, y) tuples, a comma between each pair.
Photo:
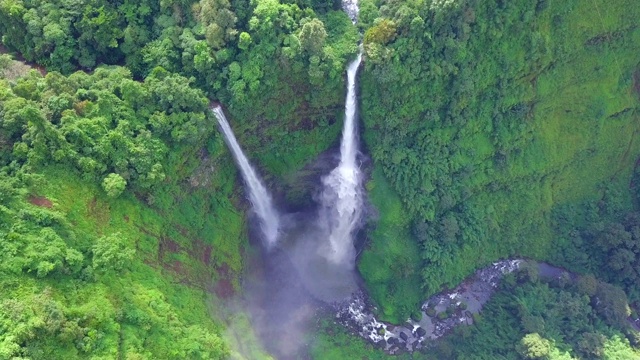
[(322, 253), (376, 154)]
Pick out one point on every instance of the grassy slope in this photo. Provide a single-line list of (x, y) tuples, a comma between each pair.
[(580, 136)]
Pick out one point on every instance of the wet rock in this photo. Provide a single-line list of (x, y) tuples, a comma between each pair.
[(357, 314)]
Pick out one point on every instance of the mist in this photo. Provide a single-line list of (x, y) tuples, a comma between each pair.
[(307, 260)]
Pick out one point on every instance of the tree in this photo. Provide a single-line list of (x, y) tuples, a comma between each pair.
[(383, 32), (244, 41), (114, 185), (618, 348), (111, 252), (5, 62), (591, 345), (312, 36), (611, 302), (218, 20), (533, 346), (587, 285)]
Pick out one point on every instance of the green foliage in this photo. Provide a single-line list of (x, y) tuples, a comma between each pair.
[(53, 306), (114, 185), (313, 36), (5, 62), (489, 123), (542, 320), (111, 253), (86, 273), (391, 265), (277, 66), (532, 346), (381, 33), (486, 116), (601, 240), (105, 124)]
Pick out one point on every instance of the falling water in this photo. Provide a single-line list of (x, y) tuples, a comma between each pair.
[(352, 9), (315, 259), (258, 194), (342, 194)]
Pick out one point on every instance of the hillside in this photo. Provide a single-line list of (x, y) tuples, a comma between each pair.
[(491, 129), (509, 112)]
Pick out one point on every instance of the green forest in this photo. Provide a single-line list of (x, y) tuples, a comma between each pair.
[(494, 129)]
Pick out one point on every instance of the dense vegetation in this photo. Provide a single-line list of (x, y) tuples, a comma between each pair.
[(530, 317), (120, 218), (276, 66), (486, 118), (96, 239), (496, 128), (535, 318)]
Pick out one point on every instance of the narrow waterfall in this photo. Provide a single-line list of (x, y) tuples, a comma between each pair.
[(258, 194), (342, 193)]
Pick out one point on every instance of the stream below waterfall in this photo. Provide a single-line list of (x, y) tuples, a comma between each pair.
[(440, 313)]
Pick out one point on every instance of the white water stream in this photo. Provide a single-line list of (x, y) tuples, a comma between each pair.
[(342, 194), (258, 194)]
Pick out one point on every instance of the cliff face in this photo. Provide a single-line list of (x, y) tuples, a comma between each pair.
[(485, 117)]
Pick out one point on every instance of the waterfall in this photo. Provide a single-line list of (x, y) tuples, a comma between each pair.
[(342, 193), (352, 9), (258, 194)]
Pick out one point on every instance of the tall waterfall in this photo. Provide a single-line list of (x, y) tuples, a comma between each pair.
[(342, 193), (258, 194)]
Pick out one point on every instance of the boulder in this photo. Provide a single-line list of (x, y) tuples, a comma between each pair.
[(404, 337)]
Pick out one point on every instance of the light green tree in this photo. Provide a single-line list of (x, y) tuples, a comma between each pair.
[(111, 252), (313, 36), (534, 346), (114, 185), (244, 41)]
